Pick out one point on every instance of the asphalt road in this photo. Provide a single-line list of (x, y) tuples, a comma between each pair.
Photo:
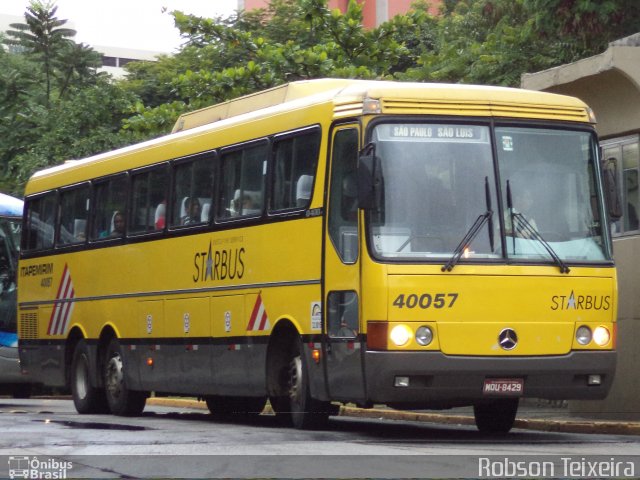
[(179, 442)]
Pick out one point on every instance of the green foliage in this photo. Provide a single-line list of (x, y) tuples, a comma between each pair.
[(85, 123), (291, 40), (41, 36), (54, 106)]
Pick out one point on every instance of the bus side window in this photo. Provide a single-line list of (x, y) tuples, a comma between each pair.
[(74, 211), (343, 211), (295, 162), (149, 204), (192, 188), (110, 217), (242, 182), (41, 221)]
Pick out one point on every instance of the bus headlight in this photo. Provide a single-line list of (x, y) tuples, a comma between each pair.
[(601, 336), (583, 335), (400, 335), (424, 335)]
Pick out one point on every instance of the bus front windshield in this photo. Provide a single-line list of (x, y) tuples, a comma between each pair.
[(439, 194)]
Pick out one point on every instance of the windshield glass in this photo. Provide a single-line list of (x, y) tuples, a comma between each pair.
[(549, 186), (436, 179), (439, 189)]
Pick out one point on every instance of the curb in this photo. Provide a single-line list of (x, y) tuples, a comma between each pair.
[(545, 425)]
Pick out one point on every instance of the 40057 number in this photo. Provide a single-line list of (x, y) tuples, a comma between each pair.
[(426, 300)]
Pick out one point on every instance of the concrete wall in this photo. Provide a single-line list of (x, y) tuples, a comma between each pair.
[(608, 83)]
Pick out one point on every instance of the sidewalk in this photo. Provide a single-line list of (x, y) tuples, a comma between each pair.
[(529, 417)]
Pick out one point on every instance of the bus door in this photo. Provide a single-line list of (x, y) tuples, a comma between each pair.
[(342, 326)]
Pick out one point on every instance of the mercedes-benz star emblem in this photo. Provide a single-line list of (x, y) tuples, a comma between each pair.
[(508, 339)]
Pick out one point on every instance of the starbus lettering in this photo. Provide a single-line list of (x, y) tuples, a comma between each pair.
[(580, 302), (212, 265)]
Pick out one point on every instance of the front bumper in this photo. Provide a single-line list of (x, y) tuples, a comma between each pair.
[(439, 380)]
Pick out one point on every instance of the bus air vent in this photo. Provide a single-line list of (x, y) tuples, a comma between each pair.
[(28, 327)]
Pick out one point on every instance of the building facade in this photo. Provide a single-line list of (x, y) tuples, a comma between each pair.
[(374, 12), (610, 84), (113, 58)]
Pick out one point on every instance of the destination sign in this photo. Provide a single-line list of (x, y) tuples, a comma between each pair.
[(433, 133)]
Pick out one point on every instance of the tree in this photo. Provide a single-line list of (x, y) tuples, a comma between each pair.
[(75, 64), (42, 36), (87, 122), (290, 40), (81, 112), (579, 28), (54, 105), (494, 42)]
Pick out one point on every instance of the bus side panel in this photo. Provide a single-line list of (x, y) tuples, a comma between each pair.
[(188, 327), (42, 358), (228, 352)]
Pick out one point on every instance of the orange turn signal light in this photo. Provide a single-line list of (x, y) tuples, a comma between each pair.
[(377, 335)]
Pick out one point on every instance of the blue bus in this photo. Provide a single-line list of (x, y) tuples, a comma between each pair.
[(11, 380)]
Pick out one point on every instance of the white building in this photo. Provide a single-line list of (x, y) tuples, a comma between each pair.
[(113, 58)]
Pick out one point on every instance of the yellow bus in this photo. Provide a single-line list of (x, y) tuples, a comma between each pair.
[(324, 242)]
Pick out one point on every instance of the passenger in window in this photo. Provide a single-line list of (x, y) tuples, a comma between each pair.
[(117, 225), (249, 206), (160, 215), (193, 213)]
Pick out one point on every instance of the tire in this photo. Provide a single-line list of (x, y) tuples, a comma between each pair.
[(87, 399), (306, 412), (497, 416), (235, 407), (120, 399)]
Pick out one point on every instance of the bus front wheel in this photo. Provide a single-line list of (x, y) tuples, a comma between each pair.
[(86, 398), (121, 400), (306, 412), (496, 416)]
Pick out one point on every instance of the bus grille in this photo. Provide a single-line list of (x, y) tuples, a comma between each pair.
[(488, 108), (28, 327)]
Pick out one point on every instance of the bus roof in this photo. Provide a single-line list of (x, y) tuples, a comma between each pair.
[(348, 98), (341, 90), (10, 206)]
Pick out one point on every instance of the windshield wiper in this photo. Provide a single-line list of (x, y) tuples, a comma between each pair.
[(473, 231), (525, 226), (530, 230)]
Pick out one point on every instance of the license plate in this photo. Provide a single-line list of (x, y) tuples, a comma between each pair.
[(503, 386)]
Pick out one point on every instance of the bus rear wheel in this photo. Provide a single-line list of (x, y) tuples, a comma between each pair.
[(496, 416), (86, 398), (306, 412), (121, 400), (234, 407)]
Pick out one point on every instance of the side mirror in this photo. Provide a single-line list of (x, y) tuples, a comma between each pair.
[(370, 181), (366, 190), (611, 196)]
